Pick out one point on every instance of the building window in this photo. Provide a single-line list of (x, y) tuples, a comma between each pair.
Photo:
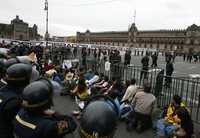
[(151, 46)]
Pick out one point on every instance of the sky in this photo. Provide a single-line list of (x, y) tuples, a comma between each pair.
[(66, 17)]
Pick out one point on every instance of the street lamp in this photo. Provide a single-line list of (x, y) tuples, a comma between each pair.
[(47, 19)]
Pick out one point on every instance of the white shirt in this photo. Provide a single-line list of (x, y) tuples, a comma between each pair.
[(93, 80), (130, 93)]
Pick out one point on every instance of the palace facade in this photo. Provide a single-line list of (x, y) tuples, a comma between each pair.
[(187, 40), (19, 30)]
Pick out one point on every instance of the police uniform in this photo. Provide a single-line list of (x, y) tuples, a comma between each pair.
[(169, 72), (17, 77), (2, 72), (99, 119), (145, 67), (35, 120)]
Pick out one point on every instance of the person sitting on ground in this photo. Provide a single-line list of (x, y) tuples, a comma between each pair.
[(94, 79), (127, 83), (125, 106), (88, 75), (81, 93), (57, 76), (130, 92), (81, 90), (69, 75), (115, 91), (101, 86), (144, 102), (48, 66), (69, 82), (186, 125), (166, 126)]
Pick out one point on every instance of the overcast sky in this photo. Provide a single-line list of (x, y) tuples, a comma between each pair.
[(66, 17)]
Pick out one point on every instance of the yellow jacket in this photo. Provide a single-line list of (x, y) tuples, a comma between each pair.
[(81, 95), (171, 116)]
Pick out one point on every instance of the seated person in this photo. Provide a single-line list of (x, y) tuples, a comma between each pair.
[(68, 83), (69, 75), (167, 125), (88, 75), (143, 104), (81, 94), (115, 90), (57, 77), (94, 79), (186, 125), (48, 66), (101, 86), (130, 92), (81, 90), (125, 106)]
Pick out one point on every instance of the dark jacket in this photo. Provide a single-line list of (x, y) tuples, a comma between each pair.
[(10, 104)]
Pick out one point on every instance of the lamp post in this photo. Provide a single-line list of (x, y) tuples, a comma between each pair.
[(47, 21)]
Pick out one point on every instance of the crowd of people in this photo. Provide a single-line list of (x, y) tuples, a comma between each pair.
[(29, 82)]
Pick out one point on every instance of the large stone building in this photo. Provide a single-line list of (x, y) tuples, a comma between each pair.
[(19, 30), (187, 40)]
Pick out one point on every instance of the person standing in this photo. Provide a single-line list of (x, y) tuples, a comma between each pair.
[(84, 54), (169, 72), (184, 56), (127, 58), (154, 60), (145, 67)]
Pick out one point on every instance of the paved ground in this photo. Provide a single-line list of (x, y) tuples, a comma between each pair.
[(66, 105), (180, 68)]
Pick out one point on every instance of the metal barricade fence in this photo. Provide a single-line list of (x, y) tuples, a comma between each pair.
[(188, 89)]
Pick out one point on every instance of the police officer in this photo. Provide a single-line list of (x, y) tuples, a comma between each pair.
[(36, 119), (169, 72), (2, 72), (127, 58), (17, 77), (24, 60), (145, 66), (154, 60), (99, 119)]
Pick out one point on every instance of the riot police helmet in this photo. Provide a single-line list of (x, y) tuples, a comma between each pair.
[(37, 96), (18, 74), (16, 60), (99, 118)]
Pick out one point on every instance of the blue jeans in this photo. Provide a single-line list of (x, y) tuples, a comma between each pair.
[(165, 128)]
